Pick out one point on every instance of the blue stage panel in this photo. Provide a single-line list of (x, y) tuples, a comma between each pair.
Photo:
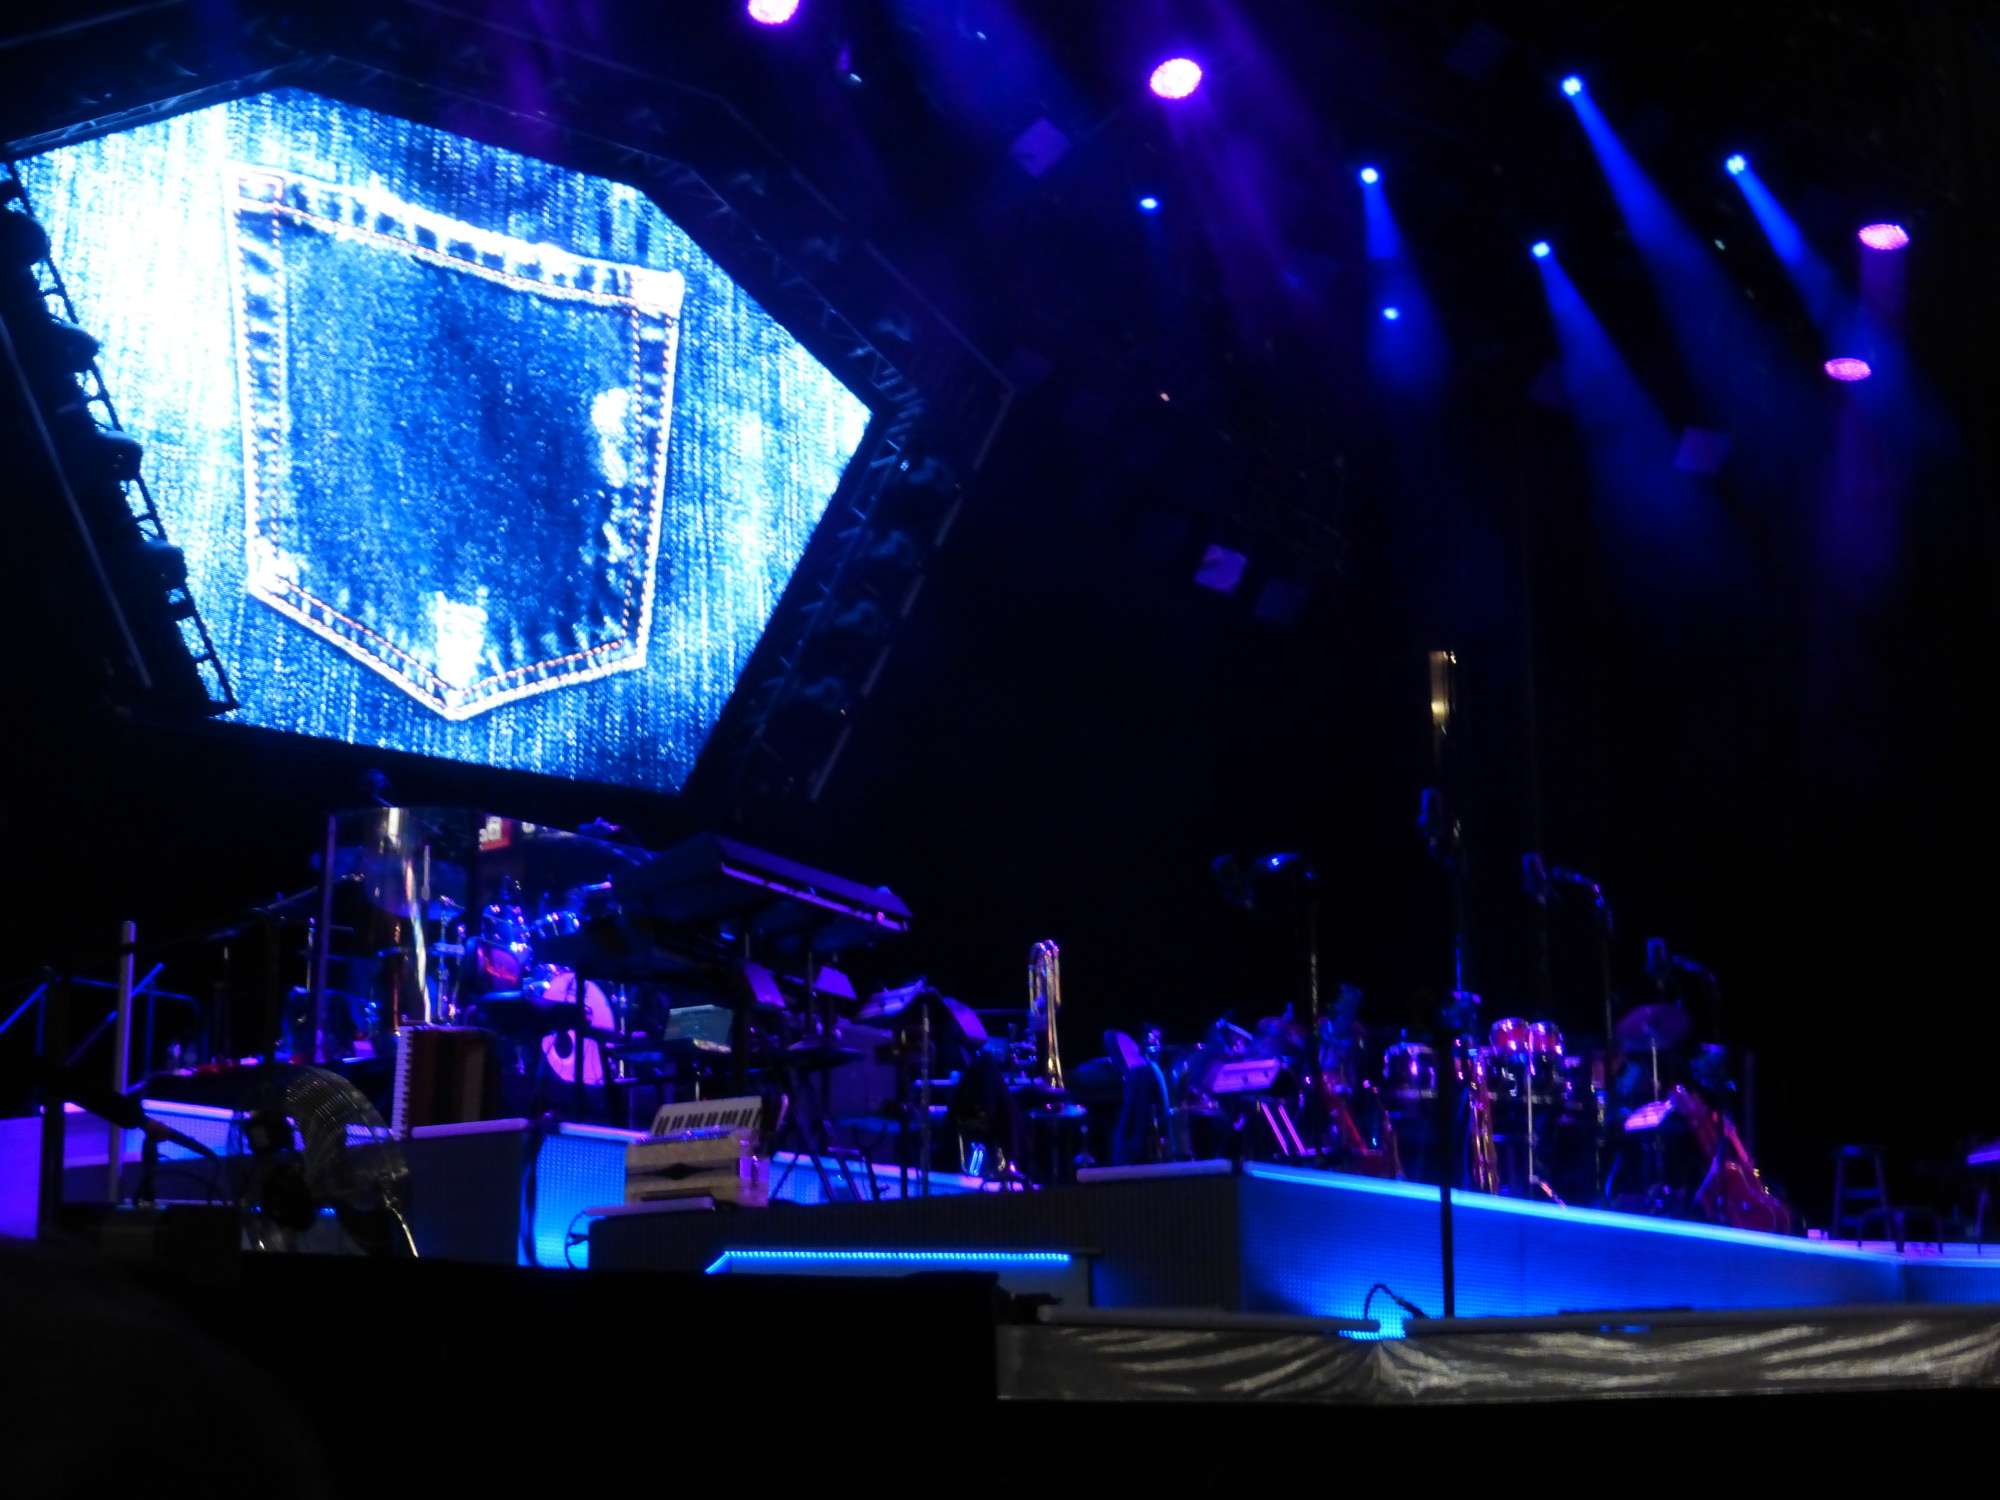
[(1307, 1250), (1313, 1242)]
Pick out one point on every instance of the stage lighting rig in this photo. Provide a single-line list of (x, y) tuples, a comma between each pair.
[(161, 653)]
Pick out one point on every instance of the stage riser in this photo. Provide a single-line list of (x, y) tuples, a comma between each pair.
[(1315, 1243), (1149, 1248)]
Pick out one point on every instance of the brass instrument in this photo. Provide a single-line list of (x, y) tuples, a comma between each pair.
[(1044, 1001)]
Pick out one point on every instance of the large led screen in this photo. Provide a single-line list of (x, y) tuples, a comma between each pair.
[(472, 456)]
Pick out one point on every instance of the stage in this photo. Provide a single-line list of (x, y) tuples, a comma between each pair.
[(1279, 1240), (1248, 1238)]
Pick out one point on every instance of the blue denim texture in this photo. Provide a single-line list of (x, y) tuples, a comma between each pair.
[(472, 456)]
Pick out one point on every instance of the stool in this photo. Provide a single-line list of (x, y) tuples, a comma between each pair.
[(1861, 1194)]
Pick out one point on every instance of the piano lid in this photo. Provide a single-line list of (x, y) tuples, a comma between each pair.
[(710, 880)]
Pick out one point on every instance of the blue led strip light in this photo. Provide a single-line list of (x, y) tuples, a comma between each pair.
[(1563, 1214), (973, 1258)]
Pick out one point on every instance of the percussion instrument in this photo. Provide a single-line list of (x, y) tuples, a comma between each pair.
[(1526, 1061), (1409, 1073), (560, 1048), (1653, 1028)]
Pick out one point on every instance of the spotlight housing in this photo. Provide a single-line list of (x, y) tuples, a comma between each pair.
[(1736, 165), (1369, 177), (1883, 236), (1572, 86), (1848, 368), (1176, 78), (1541, 249)]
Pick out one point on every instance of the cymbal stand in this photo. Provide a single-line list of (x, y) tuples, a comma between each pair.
[(927, 1063), (1656, 1138)]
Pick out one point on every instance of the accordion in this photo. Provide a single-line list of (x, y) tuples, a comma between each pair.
[(445, 1075), (705, 1148)]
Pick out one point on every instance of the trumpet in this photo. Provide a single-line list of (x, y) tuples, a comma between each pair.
[(1044, 1001)]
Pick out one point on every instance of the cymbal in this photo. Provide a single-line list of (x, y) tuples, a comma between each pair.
[(1650, 1026)]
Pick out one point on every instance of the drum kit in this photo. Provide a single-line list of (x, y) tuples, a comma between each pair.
[(399, 943)]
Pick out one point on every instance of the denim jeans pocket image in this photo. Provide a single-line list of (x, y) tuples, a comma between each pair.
[(454, 441), (406, 398)]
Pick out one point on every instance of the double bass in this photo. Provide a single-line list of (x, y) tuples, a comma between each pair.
[(1733, 1190)]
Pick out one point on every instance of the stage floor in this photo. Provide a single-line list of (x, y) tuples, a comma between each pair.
[(1254, 1238), (1274, 1239)]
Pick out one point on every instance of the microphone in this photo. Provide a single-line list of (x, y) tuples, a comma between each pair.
[(1662, 961), (1656, 959), (1689, 967), (1563, 875)]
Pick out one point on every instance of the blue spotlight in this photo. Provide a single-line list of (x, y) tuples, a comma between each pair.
[(1149, 204), (1572, 85), (1541, 249), (1737, 165), (1369, 177), (1390, 314)]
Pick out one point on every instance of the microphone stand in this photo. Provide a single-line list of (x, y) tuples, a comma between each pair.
[(1439, 825)]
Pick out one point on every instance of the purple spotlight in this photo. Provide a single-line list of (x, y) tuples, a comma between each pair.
[(1847, 367), (1176, 78), (1884, 236), (773, 12)]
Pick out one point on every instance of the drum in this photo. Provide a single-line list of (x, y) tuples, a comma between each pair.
[(1527, 1062), (560, 923), (1512, 1034), (1409, 1073), (558, 987)]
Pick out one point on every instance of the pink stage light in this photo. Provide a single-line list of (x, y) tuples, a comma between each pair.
[(1847, 367), (773, 12), (1884, 236), (1176, 78)]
